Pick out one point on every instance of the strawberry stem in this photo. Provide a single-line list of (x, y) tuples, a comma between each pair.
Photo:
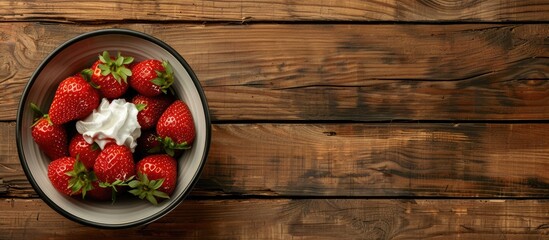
[(38, 114), (36, 110), (164, 79), (117, 67), (86, 74), (114, 186), (147, 189), (170, 146), (81, 178)]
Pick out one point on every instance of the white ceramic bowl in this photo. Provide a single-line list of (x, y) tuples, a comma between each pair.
[(75, 55)]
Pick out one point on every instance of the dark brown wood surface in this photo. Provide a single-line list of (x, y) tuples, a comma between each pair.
[(302, 219), (333, 71), (275, 10), (349, 119)]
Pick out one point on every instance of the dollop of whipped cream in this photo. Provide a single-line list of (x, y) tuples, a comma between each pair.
[(116, 121)]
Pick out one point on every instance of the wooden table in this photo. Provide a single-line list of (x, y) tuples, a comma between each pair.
[(331, 119)]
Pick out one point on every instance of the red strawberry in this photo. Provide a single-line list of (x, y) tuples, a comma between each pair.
[(69, 176), (74, 99), (148, 143), (114, 166), (57, 173), (51, 138), (152, 77), (111, 75), (87, 152), (176, 127), (156, 178), (150, 109)]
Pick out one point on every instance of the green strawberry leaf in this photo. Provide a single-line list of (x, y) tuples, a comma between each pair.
[(156, 149), (152, 199), (168, 67), (135, 192), (170, 152), (114, 185), (134, 183), (142, 195), (158, 81), (161, 194), (116, 76), (95, 146), (124, 77), (116, 68), (164, 79), (169, 145), (128, 60), (140, 106), (119, 60), (105, 70), (144, 188), (81, 179), (143, 178), (155, 184), (86, 74), (125, 71), (105, 57)]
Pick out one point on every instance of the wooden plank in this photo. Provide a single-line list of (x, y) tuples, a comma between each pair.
[(13, 181), (360, 160), (275, 10), (332, 72), (462, 160), (302, 219)]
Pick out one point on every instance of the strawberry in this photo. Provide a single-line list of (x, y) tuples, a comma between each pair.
[(114, 166), (57, 173), (111, 75), (150, 109), (175, 128), (148, 143), (69, 176), (74, 99), (156, 178), (87, 152), (50, 138), (152, 77)]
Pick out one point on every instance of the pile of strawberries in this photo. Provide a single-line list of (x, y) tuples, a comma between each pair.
[(79, 168)]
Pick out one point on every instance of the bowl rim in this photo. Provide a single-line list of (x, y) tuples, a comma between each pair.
[(119, 31)]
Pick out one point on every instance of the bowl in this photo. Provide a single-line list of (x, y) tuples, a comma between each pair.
[(79, 53)]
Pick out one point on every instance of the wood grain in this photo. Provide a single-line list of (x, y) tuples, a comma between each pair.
[(301, 219), (332, 72), (453, 160), (359, 160), (275, 10)]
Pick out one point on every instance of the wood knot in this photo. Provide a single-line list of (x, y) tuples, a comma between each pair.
[(330, 133)]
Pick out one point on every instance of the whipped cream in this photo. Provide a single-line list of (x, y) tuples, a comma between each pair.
[(111, 121)]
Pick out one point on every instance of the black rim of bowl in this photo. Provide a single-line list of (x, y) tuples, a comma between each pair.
[(172, 205)]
